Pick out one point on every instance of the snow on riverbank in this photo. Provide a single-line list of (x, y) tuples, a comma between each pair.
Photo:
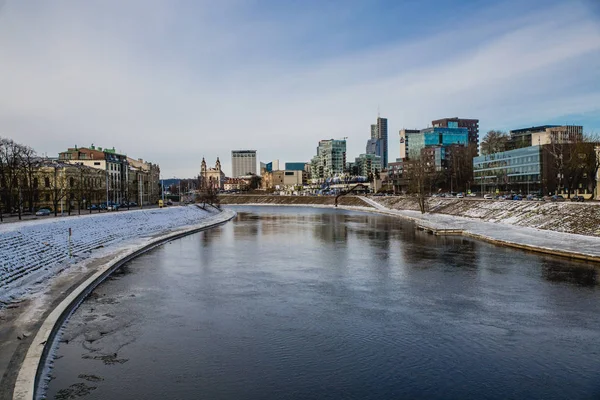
[(578, 218), (530, 238), (32, 251)]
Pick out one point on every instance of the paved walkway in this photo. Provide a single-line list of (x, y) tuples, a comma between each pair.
[(550, 242)]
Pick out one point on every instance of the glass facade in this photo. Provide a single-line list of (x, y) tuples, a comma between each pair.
[(366, 164), (437, 136), (330, 160), (295, 166), (518, 169)]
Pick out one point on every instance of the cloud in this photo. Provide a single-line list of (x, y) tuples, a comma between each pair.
[(172, 82)]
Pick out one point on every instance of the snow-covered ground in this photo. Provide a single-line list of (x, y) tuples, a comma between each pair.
[(528, 232), (577, 218), (32, 251)]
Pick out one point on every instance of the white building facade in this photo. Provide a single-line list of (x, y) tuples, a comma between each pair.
[(243, 162)]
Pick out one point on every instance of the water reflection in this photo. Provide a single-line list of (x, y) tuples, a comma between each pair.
[(303, 303), (579, 274)]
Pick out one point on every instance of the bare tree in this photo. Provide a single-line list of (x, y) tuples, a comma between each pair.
[(419, 172), (460, 166), (582, 163), (210, 196), (10, 172), (494, 141), (56, 183)]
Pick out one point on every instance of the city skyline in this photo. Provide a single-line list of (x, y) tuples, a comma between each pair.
[(159, 79)]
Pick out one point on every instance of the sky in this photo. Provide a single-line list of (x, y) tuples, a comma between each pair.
[(174, 81)]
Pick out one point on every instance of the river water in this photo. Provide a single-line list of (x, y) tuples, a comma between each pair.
[(300, 303)]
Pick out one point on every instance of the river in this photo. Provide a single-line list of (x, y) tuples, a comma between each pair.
[(303, 303)]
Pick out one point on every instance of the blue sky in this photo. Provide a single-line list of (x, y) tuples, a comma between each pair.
[(173, 81)]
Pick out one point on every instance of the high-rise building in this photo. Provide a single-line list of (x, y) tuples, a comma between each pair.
[(375, 147), (367, 164), (243, 162), (382, 134), (472, 126), (374, 134), (436, 144), (405, 135), (330, 160)]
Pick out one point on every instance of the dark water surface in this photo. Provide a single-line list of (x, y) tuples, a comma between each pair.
[(295, 303)]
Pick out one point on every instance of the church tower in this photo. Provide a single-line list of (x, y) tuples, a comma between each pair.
[(218, 165)]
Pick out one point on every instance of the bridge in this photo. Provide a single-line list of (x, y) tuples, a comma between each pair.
[(352, 189)]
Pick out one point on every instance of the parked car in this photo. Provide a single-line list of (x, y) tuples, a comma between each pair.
[(460, 196), (92, 207), (42, 212), (169, 203), (488, 196), (113, 207), (579, 199), (557, 197), (132, 204), (517, 197), (472, 194)]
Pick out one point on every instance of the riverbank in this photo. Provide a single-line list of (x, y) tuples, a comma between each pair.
[(502, 223), (28, 319), (349, 201), (567, 217)]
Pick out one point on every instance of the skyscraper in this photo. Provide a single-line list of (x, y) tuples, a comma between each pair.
[(380, 131), (374, 146), (405, 135), (374, 134), (243, 162)]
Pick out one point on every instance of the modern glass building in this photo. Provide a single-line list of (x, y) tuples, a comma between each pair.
[(516, 170), (375, 146), (330, 160), (437, 136), (366, 164)]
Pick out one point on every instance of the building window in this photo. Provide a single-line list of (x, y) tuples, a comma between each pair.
[(47, 182), (96, 162)]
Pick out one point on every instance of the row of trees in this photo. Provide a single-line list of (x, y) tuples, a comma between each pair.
[(17, 169), (28, 182)]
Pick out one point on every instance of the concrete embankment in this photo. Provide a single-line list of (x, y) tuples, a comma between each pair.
[(347, 201), (29, 323)]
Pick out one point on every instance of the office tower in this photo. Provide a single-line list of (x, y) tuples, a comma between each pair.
[(472, 126), (243, 162)]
